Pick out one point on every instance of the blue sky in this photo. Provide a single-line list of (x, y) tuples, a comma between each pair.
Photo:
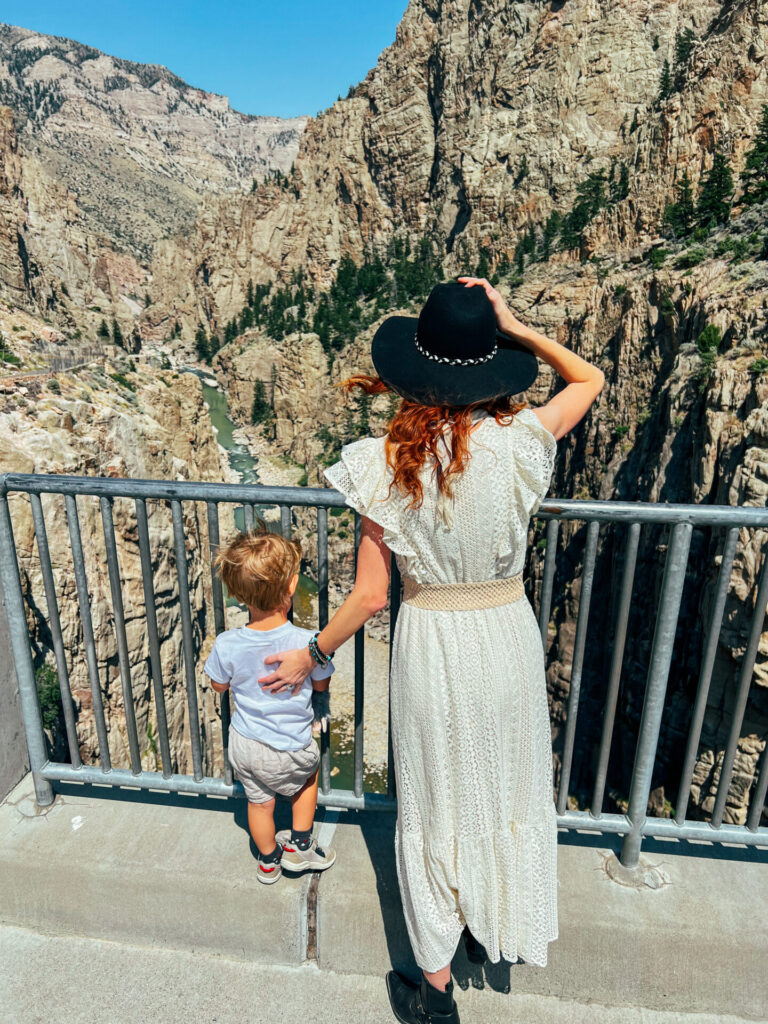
[(269, 58)]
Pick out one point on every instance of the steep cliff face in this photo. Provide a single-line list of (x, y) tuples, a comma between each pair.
[(137, 145), (144, 425), (478, 121), (100, 159)]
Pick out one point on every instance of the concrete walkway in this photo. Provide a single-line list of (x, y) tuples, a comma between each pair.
[(122, 906), (46, 980)]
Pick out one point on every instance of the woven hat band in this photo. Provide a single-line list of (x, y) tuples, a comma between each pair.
[(454, 362)]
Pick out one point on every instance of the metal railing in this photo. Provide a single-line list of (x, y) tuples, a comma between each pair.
[(681, 520)]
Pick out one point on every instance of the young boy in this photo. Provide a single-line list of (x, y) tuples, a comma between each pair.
[(270, 738)]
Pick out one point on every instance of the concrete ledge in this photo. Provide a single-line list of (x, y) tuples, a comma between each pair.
[(178, 872), (696, 944)]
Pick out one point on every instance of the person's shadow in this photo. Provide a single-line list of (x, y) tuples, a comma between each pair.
[(379, 834)]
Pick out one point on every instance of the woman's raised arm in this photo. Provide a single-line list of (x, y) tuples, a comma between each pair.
[(585, 381), (368, 596)]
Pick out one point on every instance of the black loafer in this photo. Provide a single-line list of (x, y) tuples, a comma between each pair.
[(421, 1004), (476, 953)]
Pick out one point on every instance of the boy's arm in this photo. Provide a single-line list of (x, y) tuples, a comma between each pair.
[(216, 671)]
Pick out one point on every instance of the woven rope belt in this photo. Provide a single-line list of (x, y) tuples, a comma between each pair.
[(463, 597)]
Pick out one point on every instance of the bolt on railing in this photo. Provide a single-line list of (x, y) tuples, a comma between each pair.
[(634, 825)]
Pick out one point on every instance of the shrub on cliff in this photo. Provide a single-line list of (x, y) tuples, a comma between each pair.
[(49, 695), (708, 342)]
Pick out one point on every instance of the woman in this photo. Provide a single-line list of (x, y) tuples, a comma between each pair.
[(451, 490)]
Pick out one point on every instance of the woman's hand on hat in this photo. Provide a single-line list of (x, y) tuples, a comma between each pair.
[(505, 318)]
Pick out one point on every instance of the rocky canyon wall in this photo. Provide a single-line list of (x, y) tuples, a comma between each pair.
[(146, 424)]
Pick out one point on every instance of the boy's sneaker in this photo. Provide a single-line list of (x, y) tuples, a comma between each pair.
[(312, 859), (268, 873)]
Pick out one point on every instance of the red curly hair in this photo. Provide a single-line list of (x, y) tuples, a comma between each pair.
[(415, 430)]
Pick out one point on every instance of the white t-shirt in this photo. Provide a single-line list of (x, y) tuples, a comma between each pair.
[(281, 720)]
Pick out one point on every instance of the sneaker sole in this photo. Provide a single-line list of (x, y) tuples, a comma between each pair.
[(268, 879), (304, 865)]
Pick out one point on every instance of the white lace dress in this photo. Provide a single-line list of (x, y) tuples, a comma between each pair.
[(476, 839)]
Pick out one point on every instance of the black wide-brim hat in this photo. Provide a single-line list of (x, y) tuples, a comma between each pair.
[(452, 353)]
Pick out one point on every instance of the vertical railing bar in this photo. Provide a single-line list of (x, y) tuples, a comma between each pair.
[(655, 689), (155, 664), (322, 613), (84, 604), (247, 517), (51, 601), (219, 624), (593, 530), (395, 584), (22, 654), (553, 525), (758, 797), (705, 674), (285, 521), (742, 695), (617, 658), (182, 571), (118, 611), (285, 529), (358, 751)]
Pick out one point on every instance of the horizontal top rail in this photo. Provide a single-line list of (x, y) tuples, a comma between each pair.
[(188, 490)]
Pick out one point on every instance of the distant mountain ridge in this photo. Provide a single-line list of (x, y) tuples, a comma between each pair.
[(137, 146)]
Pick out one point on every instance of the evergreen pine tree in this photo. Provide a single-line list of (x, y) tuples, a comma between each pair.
[(681, 215), (103, 331), (665, 82), (214, 344), (683, 46), (755, 173), (620, 188), (483, 265), (249, 293), (117, 334), (201, 345), (714, 205), (261, 408)]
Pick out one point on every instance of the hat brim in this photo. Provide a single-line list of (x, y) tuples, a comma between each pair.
[(413, 376)]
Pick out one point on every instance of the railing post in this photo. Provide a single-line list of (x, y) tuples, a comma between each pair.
[(655, 690), (22, 656)]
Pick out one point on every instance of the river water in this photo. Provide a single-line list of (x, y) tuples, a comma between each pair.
[(304, 608)]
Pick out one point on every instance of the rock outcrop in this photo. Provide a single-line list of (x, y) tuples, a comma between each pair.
[(143, 424), (135, 144)]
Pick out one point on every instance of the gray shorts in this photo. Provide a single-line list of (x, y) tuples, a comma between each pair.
[(265, 771)]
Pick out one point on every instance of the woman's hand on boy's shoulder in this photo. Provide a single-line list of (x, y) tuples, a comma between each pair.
[(293, 668)]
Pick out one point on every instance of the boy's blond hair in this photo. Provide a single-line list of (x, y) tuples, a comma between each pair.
[(257, 568)]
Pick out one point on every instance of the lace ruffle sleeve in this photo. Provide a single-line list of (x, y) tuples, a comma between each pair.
[(363, 477), (535, 450)]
